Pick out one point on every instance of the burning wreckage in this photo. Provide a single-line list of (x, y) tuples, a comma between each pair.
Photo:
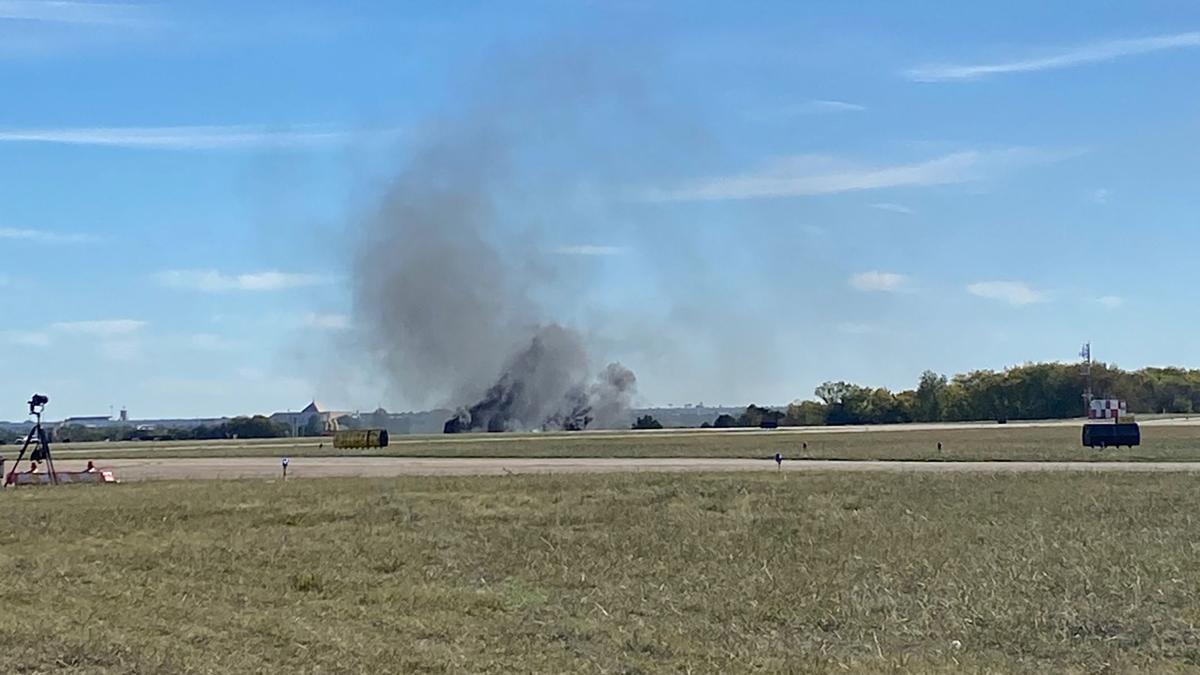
[(545, 387)]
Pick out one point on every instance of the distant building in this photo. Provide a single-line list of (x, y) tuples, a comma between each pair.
[(90, 422), (177, 423), (394, 423), (312, 416)]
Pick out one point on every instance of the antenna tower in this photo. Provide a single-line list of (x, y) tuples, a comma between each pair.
[(1086, 354)]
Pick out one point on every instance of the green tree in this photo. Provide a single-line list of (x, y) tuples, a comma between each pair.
[(1027, 391), (755, 416), (805, 414), (930, 403), (833, 393), (725, 421), (647, 422), (254, 427)]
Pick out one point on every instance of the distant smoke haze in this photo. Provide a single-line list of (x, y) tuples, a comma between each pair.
[(446, 298)]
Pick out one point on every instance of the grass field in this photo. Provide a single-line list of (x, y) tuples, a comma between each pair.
[(994, 442), (627, 573)]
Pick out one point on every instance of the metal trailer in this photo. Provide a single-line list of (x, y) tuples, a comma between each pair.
[(361, 438), (1112, 435)]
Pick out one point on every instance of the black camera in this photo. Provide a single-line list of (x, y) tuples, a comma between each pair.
[(38, 401)]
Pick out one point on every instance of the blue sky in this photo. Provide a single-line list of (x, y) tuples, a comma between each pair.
[(815, 191)]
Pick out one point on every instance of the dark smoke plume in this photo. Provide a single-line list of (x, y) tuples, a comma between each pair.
[(445, 294), (543, 387)]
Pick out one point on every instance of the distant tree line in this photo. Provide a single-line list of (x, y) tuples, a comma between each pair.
[(647, 422), (1030, 391), (754, 416), (257, 426)]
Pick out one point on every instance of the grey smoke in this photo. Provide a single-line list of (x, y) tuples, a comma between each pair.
[(543, 387), (446, 297), (611, 396)]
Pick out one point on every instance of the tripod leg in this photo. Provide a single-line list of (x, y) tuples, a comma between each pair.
[(49, 458), (24, 447)]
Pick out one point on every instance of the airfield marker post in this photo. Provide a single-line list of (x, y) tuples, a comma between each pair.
[(285, 466)]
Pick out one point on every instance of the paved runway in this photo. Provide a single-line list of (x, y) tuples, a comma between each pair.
[(323, 467)]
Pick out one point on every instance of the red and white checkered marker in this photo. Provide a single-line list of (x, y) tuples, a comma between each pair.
[(1107, 409)]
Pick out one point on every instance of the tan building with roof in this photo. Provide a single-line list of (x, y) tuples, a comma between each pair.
[(311, 421)]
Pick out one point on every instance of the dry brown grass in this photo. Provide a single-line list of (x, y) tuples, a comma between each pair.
[(638, 573)]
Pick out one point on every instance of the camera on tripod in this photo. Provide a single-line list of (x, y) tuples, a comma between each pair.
[(38, 401)]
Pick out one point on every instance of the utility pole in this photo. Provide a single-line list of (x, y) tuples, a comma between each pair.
[(1086, 355)]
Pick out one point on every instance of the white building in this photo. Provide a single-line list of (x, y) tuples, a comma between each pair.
[(312, 414), (90, 422)]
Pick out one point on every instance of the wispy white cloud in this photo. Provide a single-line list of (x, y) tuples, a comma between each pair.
[(118, 339), (250, 373), (66, 11), (855, 328), (889, 282), (894, 208), (816, 175), (213, 281), (803, 108), (1100, 196), (211, 342), (1016, 293), (188, 137), (589, 249), (45, 236), (100, 328), (327, 321), (1095, 52), (820, 106), (26, 338), (34, 29), (122, 349), (1110, 301)]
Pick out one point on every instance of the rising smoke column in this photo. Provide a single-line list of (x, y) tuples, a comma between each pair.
[(443, 296), (544, 386)]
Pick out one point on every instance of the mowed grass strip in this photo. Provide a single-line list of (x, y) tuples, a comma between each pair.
[(998, 443), (616, 573)]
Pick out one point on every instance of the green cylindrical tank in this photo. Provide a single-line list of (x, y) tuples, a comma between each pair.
[(361, 438)]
